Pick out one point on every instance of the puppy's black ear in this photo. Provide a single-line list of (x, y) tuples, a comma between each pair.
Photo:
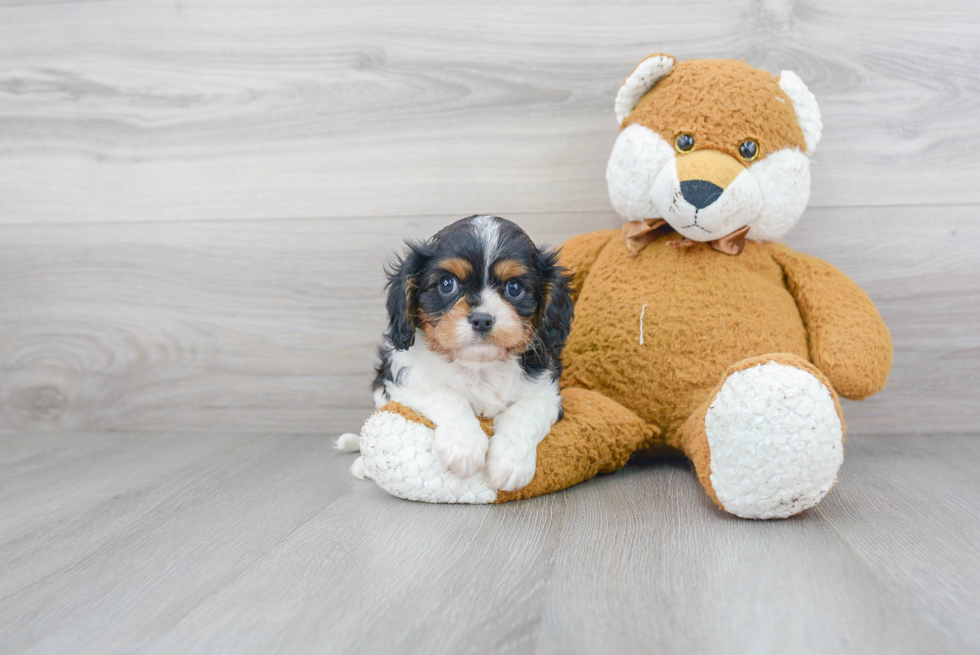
[(557, 306), (403, 288)]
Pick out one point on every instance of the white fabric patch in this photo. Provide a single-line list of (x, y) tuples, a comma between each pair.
[(775, 440), (647, 73), (636, 160), (397, 454), (806, 108), (784, 181), (488, 231)]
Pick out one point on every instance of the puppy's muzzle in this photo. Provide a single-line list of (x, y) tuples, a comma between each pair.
[(481, 322)]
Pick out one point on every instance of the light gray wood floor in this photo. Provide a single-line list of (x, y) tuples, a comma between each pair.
[(232, 543)]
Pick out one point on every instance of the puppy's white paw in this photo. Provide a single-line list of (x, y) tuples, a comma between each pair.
[(461, 448), (359, 470), (510, 463), (348, 442)]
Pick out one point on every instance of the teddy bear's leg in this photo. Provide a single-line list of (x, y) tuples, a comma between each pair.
[(768, 441), (597, 435)]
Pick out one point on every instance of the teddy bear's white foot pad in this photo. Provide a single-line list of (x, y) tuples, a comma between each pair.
[(397, 454), (776, 442)]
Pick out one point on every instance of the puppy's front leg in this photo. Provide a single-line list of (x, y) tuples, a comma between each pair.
[(460, 443), (516, 434)]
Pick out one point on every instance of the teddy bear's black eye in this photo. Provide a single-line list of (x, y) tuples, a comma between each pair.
[(684, 142), (749, 150), (447, 285)]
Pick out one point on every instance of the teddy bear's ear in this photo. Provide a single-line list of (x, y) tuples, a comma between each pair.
[(641, 80), (805, 105)]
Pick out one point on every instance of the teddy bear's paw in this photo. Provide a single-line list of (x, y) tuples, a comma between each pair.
[(461, 448), (510, 463), (398, 455), (775, 440)]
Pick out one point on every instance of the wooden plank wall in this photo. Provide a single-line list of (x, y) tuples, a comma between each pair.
[(196, 199)]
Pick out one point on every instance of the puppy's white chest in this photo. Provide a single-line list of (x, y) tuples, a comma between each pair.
[(489, 389)]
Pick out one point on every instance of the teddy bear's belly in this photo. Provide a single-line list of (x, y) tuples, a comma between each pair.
[(656, 332)]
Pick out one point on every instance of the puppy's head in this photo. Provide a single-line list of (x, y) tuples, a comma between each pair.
[(480, 290)]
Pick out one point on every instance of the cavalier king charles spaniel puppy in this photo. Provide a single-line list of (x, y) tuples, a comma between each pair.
[(477, 319)]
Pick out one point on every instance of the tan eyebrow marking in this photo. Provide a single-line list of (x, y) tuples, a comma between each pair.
[(508, 268), (457, 266)]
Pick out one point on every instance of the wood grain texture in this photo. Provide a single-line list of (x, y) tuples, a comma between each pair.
[(274, 324), (196, 199), (262, 543), (122, 111)]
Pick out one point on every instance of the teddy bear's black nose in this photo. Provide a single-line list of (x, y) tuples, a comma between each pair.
[(700, 193)]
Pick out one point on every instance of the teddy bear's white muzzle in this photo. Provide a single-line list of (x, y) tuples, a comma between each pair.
[(703, 211)]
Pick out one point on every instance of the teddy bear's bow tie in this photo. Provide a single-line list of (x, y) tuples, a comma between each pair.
[(639, 234)]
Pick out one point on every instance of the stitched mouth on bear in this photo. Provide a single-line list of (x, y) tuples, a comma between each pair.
[(701, 210)]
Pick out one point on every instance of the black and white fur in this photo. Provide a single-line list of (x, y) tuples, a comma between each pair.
[(473, 347)]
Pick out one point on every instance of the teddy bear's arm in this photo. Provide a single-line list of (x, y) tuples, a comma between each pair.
[(579, 253), (848, 339)]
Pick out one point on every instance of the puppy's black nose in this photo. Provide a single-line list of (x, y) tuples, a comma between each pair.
[(700, 193), (481, 322)]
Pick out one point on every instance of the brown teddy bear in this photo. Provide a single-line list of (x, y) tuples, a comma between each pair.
[(694, 331)]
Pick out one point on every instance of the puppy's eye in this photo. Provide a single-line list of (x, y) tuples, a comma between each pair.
[(749, 150), (684, 142), (448, 285), (515, 289)]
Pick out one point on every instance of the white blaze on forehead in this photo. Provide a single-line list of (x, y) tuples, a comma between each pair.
[(488, 232)]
